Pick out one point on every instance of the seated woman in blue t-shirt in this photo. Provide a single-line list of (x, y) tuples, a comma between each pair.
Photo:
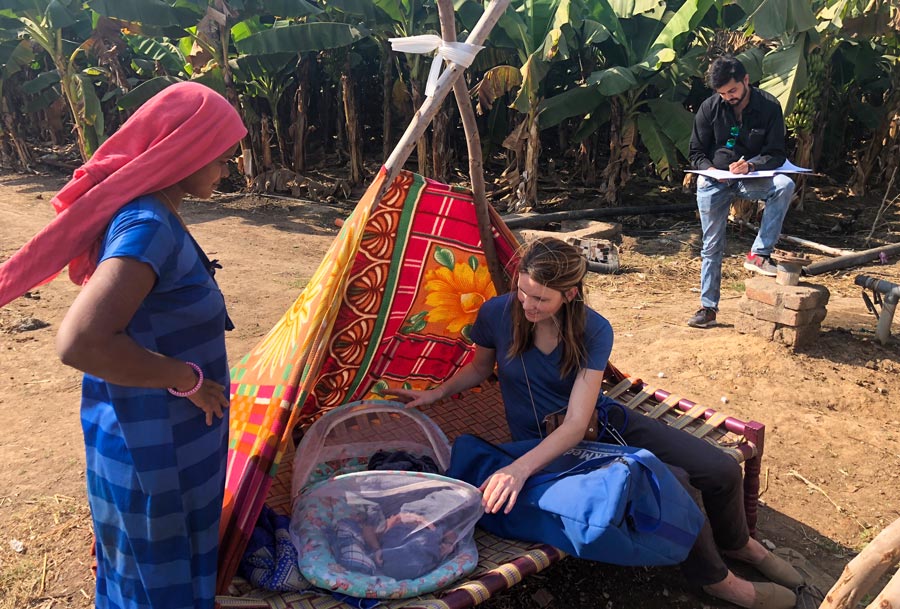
[(550, 351)]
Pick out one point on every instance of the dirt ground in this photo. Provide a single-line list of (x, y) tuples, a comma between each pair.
[(832, 452)]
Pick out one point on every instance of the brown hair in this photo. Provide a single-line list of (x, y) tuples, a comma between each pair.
[(560, 266)]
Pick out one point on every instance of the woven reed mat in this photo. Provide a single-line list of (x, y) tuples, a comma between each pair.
[(501, 564)]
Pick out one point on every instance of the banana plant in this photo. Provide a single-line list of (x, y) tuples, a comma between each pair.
[(44, 22), (279, 46), (792, 24), (171, 34), (15, 54), (397, 19), (645, 54), (538, 34), (865, 37)]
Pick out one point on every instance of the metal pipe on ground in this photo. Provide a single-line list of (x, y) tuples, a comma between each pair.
[(536, 220), (848, 260), (891, 293)]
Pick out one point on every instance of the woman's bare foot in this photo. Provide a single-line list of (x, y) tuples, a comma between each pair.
[(776, 569), (733, 589), (753, 552)]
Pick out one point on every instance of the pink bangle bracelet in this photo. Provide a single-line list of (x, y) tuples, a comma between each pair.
[(195, 388)]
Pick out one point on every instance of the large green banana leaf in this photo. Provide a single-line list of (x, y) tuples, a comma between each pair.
[(662, 150), (785, 72), (301, 38), (774, 18)]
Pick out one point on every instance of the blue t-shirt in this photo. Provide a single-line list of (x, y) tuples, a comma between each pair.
[(493, 330), (183, 317)]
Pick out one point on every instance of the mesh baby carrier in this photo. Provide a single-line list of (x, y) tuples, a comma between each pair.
[(385, 532)]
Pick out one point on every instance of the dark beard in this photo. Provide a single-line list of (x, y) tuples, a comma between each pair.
[(740, 100)]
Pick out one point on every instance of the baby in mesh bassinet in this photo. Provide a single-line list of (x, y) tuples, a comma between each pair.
[(386, 534), (404, 545)]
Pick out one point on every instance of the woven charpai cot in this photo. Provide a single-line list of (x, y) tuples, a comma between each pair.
[(504, 563)]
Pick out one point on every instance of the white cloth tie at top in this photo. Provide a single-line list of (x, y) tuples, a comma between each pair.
[(461, 53)]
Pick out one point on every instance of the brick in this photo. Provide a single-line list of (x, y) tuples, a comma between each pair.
[(798, 337), (781, 315), (794, 297), (794, 337), (747, 324)]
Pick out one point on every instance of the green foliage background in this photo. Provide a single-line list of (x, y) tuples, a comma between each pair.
[(602, 90)]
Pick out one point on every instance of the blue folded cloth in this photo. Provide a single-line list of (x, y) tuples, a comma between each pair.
[(410, 550), (270, 561)]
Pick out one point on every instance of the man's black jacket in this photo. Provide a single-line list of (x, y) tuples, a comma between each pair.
[(760, 139)]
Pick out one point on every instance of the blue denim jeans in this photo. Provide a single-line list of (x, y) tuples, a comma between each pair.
[(714, 202)]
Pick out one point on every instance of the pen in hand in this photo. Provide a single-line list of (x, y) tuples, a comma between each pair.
[(742, 160)]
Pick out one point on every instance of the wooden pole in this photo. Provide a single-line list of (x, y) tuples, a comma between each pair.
[(862, 572), (831, 251), (476, 165), (432, 104), (889, 596)]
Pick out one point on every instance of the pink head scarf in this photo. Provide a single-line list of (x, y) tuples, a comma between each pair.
[(180, 130)]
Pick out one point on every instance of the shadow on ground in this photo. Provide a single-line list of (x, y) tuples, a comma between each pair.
[(580, 584)]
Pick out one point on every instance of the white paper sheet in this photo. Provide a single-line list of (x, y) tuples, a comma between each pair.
[(724, 174)]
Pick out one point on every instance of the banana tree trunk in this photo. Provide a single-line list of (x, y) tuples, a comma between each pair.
[(68, 87), (421, 143), (23, 156), (532, 156), (279, 132), (387, 86), (265, 137), (301, 115), (351, 118), (803, 157), (440, 158), (586, 162), (329, 114), (54, 121), (884, 135), (622, 151), (249, 163)]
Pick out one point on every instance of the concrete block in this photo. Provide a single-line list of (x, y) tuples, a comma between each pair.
[(794, 297), (781, 315)]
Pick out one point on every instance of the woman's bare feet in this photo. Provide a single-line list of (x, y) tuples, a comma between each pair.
[(733, 589), (753, 552), (773, 567), (752, 595)]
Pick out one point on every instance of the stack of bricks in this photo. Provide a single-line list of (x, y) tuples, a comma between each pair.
[(790, 314)]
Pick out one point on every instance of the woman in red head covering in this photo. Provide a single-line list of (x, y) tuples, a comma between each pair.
[(148, 331)]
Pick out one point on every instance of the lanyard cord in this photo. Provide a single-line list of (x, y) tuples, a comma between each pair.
[(531, 397)]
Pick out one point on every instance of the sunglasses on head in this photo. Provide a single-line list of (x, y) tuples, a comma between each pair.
[(735, 131)]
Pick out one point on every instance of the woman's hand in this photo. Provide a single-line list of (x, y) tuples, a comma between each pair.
[(502, 487), (211, 399), (415, 398)]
